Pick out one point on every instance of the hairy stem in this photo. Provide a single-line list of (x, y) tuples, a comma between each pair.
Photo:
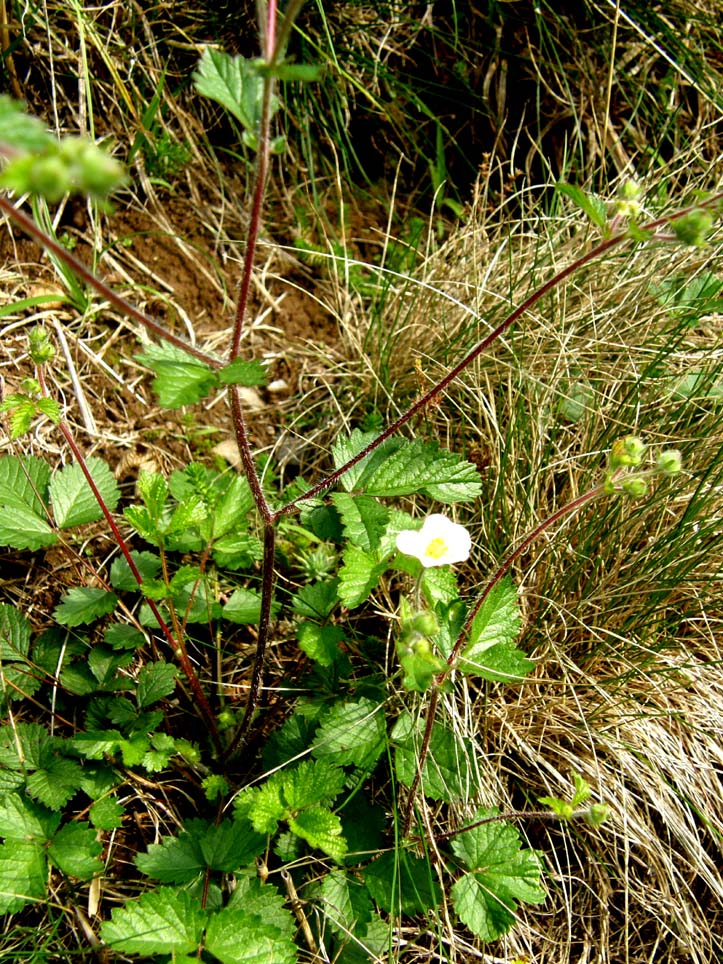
[(602, 248), (267, 593), (560, 513), (176, 644)]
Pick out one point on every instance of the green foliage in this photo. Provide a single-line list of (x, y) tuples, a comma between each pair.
[(500, 875)]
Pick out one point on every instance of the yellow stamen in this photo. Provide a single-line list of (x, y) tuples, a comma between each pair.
[(436, 549)]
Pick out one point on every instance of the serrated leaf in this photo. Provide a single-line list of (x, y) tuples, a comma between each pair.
[(72, 497), (106, 814), (265, 901), (82, 605), (121, 575), (56, 783), (24, 483), (265, 805), (236, 84), (498, 621), (311, 782), (123, 636), (241, 372), (162, 921), (23, 874), (317, 600), (322, 830), (21, 528), (14, 634), (446, 773), (358, 576), (74, 849), (176, 860), (503, 663), (347, 447), (232, 507), (594, 207), (235, 935), (21, 819), (320, 643), (351, 733), (402, 883), (347, 904), (155, 681), (502, 875), (364, 519), (439, 585), (181, 379), (243, 606), (231, 845), (420, 466)]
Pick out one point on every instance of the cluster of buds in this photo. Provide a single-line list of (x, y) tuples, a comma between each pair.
[(626, 456)]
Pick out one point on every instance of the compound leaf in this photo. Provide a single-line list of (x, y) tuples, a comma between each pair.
[(358, 576), (322, 830), (420, 466), (155, 681), (364, 519)]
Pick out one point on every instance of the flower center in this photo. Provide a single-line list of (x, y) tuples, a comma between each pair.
[(436, 549)]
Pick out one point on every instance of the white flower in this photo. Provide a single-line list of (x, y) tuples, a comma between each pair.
[(439, 542)]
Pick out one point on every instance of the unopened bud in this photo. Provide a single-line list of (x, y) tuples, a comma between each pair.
[(635, 487), (670, 462)]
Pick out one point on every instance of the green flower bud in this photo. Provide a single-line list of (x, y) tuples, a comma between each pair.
[(49, 177), (41, 350), (225, 720), (597, 814), (424, 624), (670, 462), (693, 228), (635, 487), (627, 452)]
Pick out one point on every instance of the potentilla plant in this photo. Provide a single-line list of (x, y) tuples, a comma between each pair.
[(134, 652)]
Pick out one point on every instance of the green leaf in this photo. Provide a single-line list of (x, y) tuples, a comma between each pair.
[(497, 622), (121, 575), (155, 681), (347, 905), (21, 131), (232, 507), (14, 634), (320, 643), (401, 883), (503, 663), (24, 483), (82, 605), (123, 636), (358, 576), (176, 860), (351, 733), (346, 448), (162, 921), (502, 875), (21, 528), (594, 207), (240, 372), (72, 497), (439, 585), (55, 783), (423, 467), (236, 84), (74, 849), (446, 773), (317, 600), (21, 819), (322, 830), (231, 845), (311, 782), (23, 874), (107, 814), (243, 606), (419, 663), (180, 378), (254, 927), (364, 519)]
